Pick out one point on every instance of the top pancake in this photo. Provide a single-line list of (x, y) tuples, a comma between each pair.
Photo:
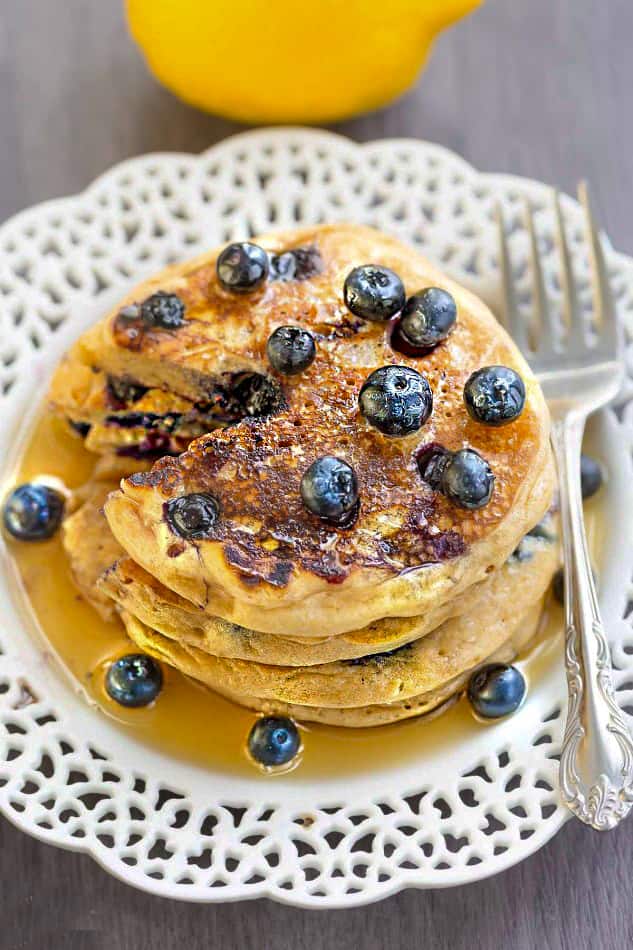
[(268, 563)]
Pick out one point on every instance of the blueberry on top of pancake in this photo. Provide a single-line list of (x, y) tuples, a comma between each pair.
[(267, 560)]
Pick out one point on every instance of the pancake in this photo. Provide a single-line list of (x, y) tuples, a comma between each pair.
[(508, 636), (136, 516), (418, 667), (140, 594), (89, 544), (268, 563), (115, 414), (426, 705)]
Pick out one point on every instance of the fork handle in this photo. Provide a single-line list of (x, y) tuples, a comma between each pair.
[(596, 763)]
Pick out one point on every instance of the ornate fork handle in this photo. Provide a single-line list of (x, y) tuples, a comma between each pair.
[(596, 764)]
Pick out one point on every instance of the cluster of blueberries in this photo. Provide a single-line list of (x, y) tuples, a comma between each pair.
[(397, 400)]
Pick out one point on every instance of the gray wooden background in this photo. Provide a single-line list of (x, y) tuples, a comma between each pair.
[(542, 88)]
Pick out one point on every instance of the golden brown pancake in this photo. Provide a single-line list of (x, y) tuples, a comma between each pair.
[(268, 563), (417, 667), (138, 593), (426, 705), (107, 579), (122, 416), (386, 684), (89, 544)]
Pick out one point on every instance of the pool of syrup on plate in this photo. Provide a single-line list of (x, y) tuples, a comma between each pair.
[(187, 720)]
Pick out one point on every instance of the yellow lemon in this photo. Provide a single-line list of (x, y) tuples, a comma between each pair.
[(289, 60)]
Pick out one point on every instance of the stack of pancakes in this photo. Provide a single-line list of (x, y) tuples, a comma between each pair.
[(270, 605)]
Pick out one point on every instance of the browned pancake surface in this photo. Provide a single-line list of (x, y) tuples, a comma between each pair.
[(265, 540)]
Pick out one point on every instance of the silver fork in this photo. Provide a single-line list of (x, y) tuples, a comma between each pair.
[(580, 371)]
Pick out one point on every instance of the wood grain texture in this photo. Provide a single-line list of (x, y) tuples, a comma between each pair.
[(541, 88)]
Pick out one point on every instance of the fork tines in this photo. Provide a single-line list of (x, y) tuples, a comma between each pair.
[(543, 334)]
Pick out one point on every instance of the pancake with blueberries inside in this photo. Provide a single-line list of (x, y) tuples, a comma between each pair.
[(336, 454), (493, 621), (369, 490), (421, 666)]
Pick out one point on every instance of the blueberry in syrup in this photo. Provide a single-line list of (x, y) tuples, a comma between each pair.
[(373, 292), (396, 400), (464, 476), (329, 489), (432, 460), (192, 516), (496, 690), (290, 350), (33, 512), (134, 680), (590, 476), (494, 395), (274, 740), (163, 310), (242, 267), (427, 318)]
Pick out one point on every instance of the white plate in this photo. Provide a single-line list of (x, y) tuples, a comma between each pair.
[(67, 774)]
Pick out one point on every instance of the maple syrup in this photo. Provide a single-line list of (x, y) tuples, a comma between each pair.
[(187, 720)]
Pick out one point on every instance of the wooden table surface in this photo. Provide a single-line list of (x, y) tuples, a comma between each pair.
[(539, 87)]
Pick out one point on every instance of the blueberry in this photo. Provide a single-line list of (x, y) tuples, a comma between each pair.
[(496, 690), (523, 550), (540, 532), (242, 267), (396, 400), (134, 680), (33, 512), (274, 740), (558, 586), (432, 461), (380, 659), (467, 479), (254, 396), (373, 293), (464, 476), (494, 395), (121, 391), (192, 516), (301, 263), (290, 350), (166, 311), (543, 530), (81, 428), (329, 489), (590, 476), (427, 318)]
